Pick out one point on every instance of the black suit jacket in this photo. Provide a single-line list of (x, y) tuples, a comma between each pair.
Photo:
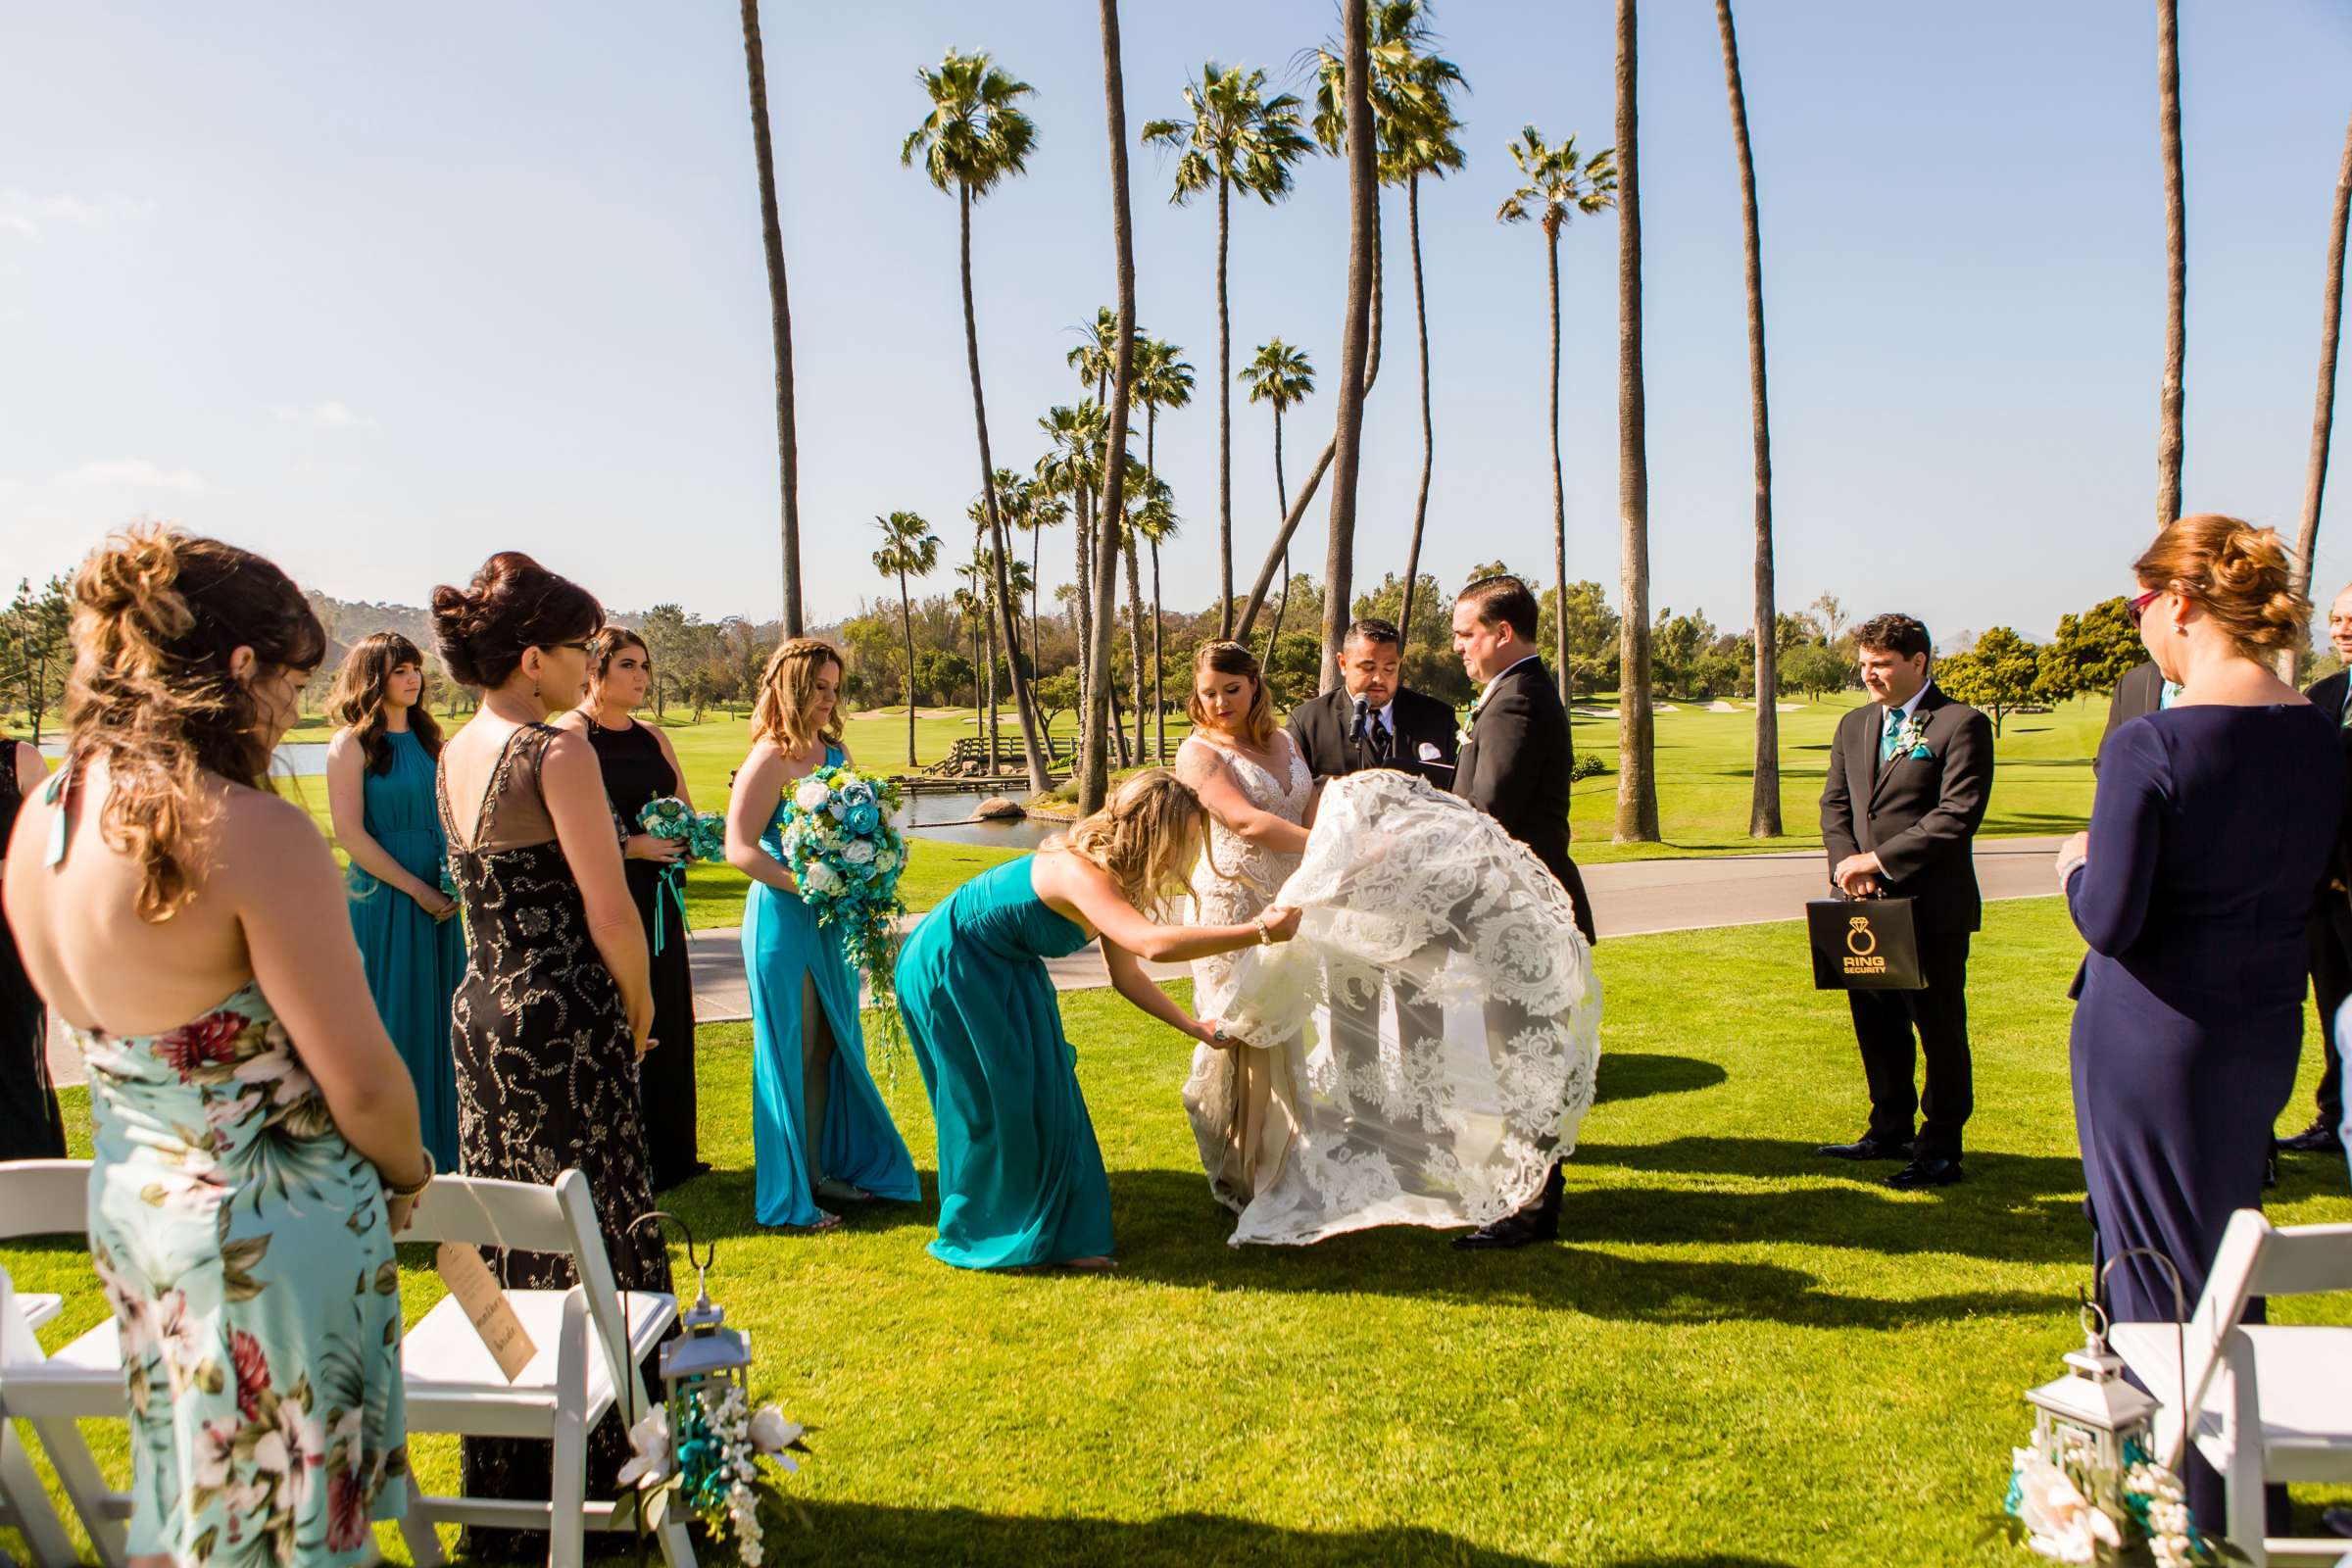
[(1323, 733), (2328, 696), (1918, 814), (2140, 691), (1514, 767)]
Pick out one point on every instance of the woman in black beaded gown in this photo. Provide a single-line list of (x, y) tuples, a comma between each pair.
[(639, 765), (30, 1125), (555, 1011)]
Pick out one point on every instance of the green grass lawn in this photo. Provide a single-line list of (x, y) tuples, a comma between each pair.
[(1738, 1354)]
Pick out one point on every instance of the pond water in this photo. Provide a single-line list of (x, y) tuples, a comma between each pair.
[(947, 817)]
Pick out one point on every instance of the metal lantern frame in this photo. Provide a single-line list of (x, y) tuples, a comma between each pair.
[(2093, 1402)]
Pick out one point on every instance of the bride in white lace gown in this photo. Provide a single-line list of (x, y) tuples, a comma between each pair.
[(1259, 798), (1436, 1019)]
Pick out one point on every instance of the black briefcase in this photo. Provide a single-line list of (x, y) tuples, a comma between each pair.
[(1864, 944)]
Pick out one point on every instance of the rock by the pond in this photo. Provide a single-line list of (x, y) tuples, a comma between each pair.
[(997, 808)]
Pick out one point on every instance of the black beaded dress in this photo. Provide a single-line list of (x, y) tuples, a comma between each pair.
[(30, 1125), (637, 771), (547, 1079)]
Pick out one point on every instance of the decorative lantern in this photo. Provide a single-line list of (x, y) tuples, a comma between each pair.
[(700, 1368), (2092, 1414)]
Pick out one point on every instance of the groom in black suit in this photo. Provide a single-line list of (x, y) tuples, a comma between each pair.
[(1514, 766), (1370, 720), (1909, 777)]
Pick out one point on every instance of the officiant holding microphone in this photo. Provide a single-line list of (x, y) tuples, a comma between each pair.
[(1909, 777), (1370, 719)]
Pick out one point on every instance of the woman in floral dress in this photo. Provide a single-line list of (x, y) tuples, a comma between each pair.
[(255, 1136)]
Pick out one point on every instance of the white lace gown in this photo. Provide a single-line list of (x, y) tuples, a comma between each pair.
[(1238, 1098), (1437, 1016)]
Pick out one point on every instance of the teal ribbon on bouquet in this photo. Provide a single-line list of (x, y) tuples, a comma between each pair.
[(704, 836)]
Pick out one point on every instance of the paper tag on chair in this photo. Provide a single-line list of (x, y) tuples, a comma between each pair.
[(486, 1306)]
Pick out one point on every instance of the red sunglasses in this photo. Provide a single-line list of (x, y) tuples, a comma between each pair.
[(2137, 608)]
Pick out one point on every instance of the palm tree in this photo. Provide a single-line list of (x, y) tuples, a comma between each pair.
[(2176, 266), (1164, 379), (975, 137), (1238, 138), (1154, 520), (779, 310), (1045, 510), (1073, 468), (972, 601), (1363, 244), (907, 546), (2322, 413), (1414, 120), (1280, 376), (1636, 737), (1555, 185), (1013, 497), (1764, 804)]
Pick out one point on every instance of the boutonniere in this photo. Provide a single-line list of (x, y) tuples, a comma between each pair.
[(1911, 740), (1461, 736)]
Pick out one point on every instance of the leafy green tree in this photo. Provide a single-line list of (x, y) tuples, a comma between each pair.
[(1996, 676), (2091, 651), (668, 640), (1238, 138), (1554, 187), (36, 650), (909, 547), (1818, 669), (974, 138)]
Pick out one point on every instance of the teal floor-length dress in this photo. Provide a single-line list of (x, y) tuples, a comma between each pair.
[(1020, 1175), (781, 941), (415, 962)]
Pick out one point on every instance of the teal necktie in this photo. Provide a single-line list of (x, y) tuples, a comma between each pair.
[(1886, 740)]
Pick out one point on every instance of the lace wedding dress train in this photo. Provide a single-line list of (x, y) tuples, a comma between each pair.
[(1238, 1098), (1436, 1019)]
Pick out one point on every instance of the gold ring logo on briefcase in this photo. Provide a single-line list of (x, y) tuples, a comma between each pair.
[(1862, 948)]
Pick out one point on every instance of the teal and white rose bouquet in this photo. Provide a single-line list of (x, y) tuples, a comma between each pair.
[(847, 858)]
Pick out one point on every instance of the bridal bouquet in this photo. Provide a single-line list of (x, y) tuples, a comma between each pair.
[(705, 837), (711, 1466), (847, 858)]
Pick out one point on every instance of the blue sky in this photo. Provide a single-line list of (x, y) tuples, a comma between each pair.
[(378, 290)]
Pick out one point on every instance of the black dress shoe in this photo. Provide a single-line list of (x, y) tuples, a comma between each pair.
[(2319, 1138), (1522, 1229), (1929, 1171), (1868, 1147)]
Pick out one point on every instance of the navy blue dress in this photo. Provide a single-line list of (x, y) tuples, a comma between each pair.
[(2208, 845)]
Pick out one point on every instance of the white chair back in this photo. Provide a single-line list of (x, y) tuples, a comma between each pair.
[(44, 1198), (2304, 1260), (523, 1216)]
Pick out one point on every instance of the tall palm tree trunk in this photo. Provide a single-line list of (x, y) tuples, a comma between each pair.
[(1041, 778), (1637, 739), (1082, 596), (1764, 804), (1224, 430), (1159, 698), (1560, 491), (1134, 635), (1281, 506), (2176, 264), (1278, 552), (779, 311), (1363, 191), (1094, 748), (2322, 413), (1429, 440), (906, 625), (1037, 556), (990, 729)]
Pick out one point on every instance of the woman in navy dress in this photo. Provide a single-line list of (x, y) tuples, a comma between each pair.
[(2207, 846)]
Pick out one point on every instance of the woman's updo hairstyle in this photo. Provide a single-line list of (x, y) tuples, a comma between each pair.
[(157, 614), (1144, 837), (2240, 574), (514, 603)]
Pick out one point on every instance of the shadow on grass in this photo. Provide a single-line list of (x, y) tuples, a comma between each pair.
[(853, 1534), (1635, 1075)]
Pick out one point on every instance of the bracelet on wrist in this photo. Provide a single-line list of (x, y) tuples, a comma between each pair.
[(416, 1189)]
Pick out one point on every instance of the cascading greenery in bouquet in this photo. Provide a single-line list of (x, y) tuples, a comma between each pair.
[(704, 834), (847, 858)]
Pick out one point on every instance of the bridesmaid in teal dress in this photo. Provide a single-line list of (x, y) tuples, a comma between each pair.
[(807, 1046), (1020, 1176), (381, 770)]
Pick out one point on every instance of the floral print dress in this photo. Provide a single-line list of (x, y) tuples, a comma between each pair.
[(244, 1248)]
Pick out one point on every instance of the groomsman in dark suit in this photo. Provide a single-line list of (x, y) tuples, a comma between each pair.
[(1514, 766), (1909, 777), (2142, 690), (2331, 921), (1370, 719)]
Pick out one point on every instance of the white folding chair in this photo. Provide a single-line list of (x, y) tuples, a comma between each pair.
[(2273, 1402), (84, 1381), (585, 1360)]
